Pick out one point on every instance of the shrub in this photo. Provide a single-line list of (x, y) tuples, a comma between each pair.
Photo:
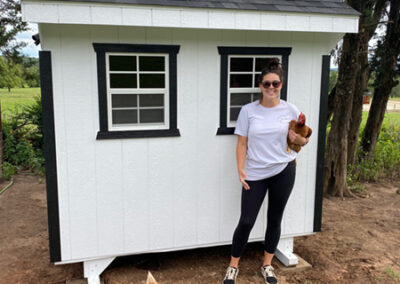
[(386, 162), (23, 140)]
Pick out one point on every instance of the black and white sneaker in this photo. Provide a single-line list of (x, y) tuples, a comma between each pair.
[(269, 275), (230, 276)]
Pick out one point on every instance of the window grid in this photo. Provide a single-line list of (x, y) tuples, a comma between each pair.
[(243, 90), (138, 91)]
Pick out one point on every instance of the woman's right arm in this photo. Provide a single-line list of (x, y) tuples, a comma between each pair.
[(241, 151)]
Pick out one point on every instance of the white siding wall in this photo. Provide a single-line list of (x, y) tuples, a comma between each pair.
[(128, 196)]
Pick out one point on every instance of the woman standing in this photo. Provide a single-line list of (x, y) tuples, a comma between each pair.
[(262, 129)]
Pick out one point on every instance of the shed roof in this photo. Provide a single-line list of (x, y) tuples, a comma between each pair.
[(336, 7)]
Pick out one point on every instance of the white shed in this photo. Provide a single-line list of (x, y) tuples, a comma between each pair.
[(140, 99)]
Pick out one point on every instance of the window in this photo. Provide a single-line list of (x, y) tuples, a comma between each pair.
[(243, 73), (137, 90), (240, 68)]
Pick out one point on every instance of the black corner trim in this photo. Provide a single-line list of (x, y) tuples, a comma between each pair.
[(49, 151), (138, 134), (225, 130), (101, 49), (224, 51), (323, 109)]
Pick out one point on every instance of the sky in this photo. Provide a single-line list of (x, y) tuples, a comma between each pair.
[(31, 50)]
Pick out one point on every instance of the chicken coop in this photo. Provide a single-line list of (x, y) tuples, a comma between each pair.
[(140, 100)]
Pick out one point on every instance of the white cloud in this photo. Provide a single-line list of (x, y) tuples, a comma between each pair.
[(30, 49)]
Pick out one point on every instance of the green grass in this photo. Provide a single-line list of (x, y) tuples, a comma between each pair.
[(395, 275), (395, 99), (17, 98), (392, 117)]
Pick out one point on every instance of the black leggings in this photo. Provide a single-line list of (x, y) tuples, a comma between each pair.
[(279, 186)]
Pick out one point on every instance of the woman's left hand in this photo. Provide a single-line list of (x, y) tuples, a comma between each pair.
[(297, 138)]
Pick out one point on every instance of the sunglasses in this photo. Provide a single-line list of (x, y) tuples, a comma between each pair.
[(275, 84)]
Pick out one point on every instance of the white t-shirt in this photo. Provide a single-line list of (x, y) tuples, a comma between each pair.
[(266, 130)]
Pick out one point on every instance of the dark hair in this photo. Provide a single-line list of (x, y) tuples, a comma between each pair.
[(273, 66)]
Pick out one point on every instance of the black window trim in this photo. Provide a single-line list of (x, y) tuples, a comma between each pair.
[(101, 49), (224, 52)]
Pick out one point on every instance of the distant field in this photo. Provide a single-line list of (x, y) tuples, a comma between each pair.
[(17, 98), (392, 117)]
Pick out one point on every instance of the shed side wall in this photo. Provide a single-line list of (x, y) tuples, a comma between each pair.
[(136, 195)]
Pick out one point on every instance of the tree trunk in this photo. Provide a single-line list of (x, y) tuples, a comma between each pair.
[(374, 122), (385, 74), (331, 103), (367, 26), (336, 156), (356, 114)]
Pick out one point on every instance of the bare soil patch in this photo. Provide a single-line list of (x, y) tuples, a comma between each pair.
[(359, 243)]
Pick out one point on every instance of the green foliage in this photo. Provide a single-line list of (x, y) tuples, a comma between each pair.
[(386, 162), (23, 139), (10, 25), (30, 72), (10, 74), (395, 91), (395, 275), (333, 75), (15, 75), (9, 170)]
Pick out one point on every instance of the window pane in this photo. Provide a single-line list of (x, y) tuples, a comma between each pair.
[(262, 63), (234, 112), (122, 63), (151, 100), (151, 63), (119, 81), (151, 115), (240, 81), (240, 99), (124, 116), (152, 81), (124, 100), (242, 64)]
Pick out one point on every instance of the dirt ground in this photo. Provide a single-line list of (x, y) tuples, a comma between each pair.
[(359, 243)]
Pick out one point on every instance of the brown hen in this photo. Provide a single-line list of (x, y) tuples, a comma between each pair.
[(300, 128)]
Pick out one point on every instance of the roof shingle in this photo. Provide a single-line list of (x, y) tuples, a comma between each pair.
[(335, 7)]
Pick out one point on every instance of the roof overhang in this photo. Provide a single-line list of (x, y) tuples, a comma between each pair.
[(58, 12)]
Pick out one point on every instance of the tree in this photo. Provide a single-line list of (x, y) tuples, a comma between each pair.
[(10, 25), (336, 155), (386, 65), (10, 74), (350, 65), (369, 24), (30, 72), (395, 92)]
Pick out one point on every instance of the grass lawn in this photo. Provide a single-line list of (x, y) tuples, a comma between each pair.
[(392, 117), (17, 98)]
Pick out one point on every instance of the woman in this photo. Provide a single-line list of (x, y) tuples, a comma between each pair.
[(262, 129)]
